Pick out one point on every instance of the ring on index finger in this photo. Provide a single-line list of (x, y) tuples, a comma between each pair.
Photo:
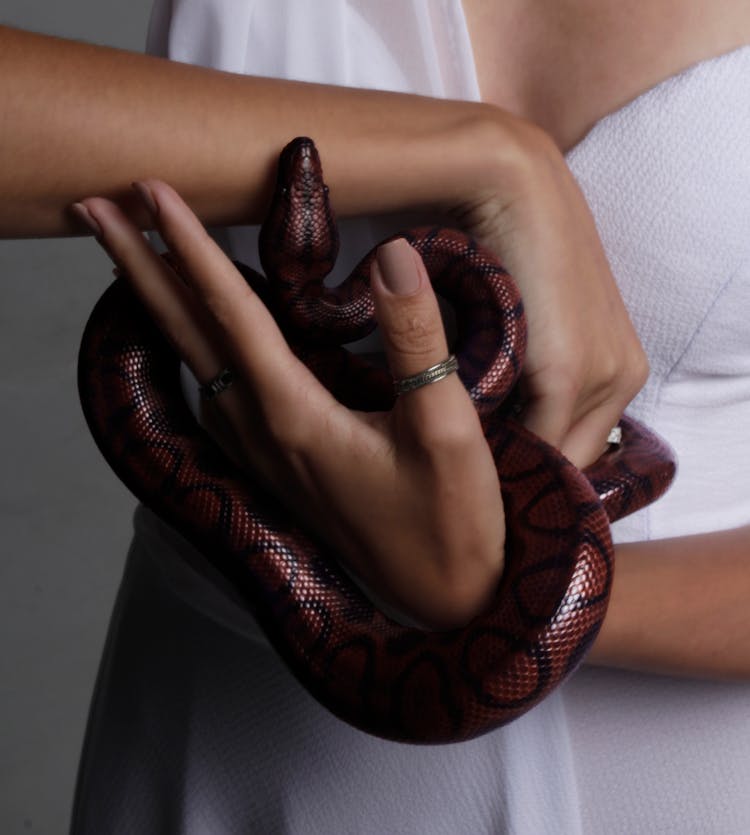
[(425, 378)]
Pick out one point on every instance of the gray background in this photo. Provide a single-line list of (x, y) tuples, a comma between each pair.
[(65, 519)]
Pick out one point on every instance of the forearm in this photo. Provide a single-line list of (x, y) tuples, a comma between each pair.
[(80, 120), (680, 606)]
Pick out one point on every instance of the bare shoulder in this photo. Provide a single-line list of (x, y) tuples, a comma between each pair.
[(567, 63), (660, 36)]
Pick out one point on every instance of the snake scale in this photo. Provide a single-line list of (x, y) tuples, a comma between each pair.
[(395, 681)]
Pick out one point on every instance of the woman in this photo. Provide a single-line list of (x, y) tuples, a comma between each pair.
[(620, 65)]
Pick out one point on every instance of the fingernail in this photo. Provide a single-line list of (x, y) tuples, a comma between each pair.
[(148, 198), (85, 215), (398, 267)]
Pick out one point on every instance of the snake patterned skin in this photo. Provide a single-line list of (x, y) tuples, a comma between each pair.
[(397, 682)]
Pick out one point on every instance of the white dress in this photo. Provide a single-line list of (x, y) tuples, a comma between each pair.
[(197, 727)]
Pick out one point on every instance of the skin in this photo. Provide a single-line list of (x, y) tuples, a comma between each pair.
[(597, 54), (351, 475), (518, 200)]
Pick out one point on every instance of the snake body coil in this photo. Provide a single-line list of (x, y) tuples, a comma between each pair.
[(391, 680)]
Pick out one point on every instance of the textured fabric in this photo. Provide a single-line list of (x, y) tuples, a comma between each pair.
[(197, 727), (668, 180)]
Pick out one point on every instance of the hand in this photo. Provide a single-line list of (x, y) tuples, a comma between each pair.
[(409, 498), (584, 362)]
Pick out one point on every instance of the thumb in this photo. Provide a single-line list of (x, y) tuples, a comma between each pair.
[(433, 415), (406, 310)]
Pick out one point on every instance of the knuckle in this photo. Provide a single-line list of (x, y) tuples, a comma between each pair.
[(412, 331), (297, 422), (442, 439), (566, 384), (622, 375), (287, 431), (445, 438)]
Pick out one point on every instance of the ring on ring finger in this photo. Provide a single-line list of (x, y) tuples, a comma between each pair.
[(216, 385)]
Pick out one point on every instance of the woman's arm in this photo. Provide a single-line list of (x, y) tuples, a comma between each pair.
[(80, 119), (87, 120), (680, 606)]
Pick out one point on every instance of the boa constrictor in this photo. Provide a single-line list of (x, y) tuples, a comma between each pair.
[(391, 680)]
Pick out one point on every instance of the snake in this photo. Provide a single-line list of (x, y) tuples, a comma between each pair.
[(397, 681)]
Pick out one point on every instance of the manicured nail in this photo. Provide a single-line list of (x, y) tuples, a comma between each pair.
[(85, 215), (148, 198), (399, 268)]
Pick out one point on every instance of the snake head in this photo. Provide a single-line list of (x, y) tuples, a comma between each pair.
[(299, 239)]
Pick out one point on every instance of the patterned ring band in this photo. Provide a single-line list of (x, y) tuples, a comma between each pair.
[(428, 376), (221, 382)]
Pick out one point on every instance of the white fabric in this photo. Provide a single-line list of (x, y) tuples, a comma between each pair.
[(373, 786), (196, 729), (668, 179)]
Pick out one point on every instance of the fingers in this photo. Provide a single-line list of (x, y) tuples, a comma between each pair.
[(441, 508), (575, 424), (206, 308), (252, 338), (587, 440), (171, 304), (581, 440), (414, 339)]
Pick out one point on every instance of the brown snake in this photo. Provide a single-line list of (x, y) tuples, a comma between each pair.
[(391, 680)]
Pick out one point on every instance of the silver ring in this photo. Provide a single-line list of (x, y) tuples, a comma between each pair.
[(615, 436), (428, 376), (221, 382)]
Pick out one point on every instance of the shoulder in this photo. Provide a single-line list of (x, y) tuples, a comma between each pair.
[(567, 63), (629, 47)]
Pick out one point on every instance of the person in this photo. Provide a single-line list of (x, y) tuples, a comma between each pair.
[(301, 772)]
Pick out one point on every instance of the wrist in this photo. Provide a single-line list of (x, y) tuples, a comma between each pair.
[(438, 157), (503, 160)]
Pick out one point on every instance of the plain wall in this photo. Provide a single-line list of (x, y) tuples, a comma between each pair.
[(66, 520)]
